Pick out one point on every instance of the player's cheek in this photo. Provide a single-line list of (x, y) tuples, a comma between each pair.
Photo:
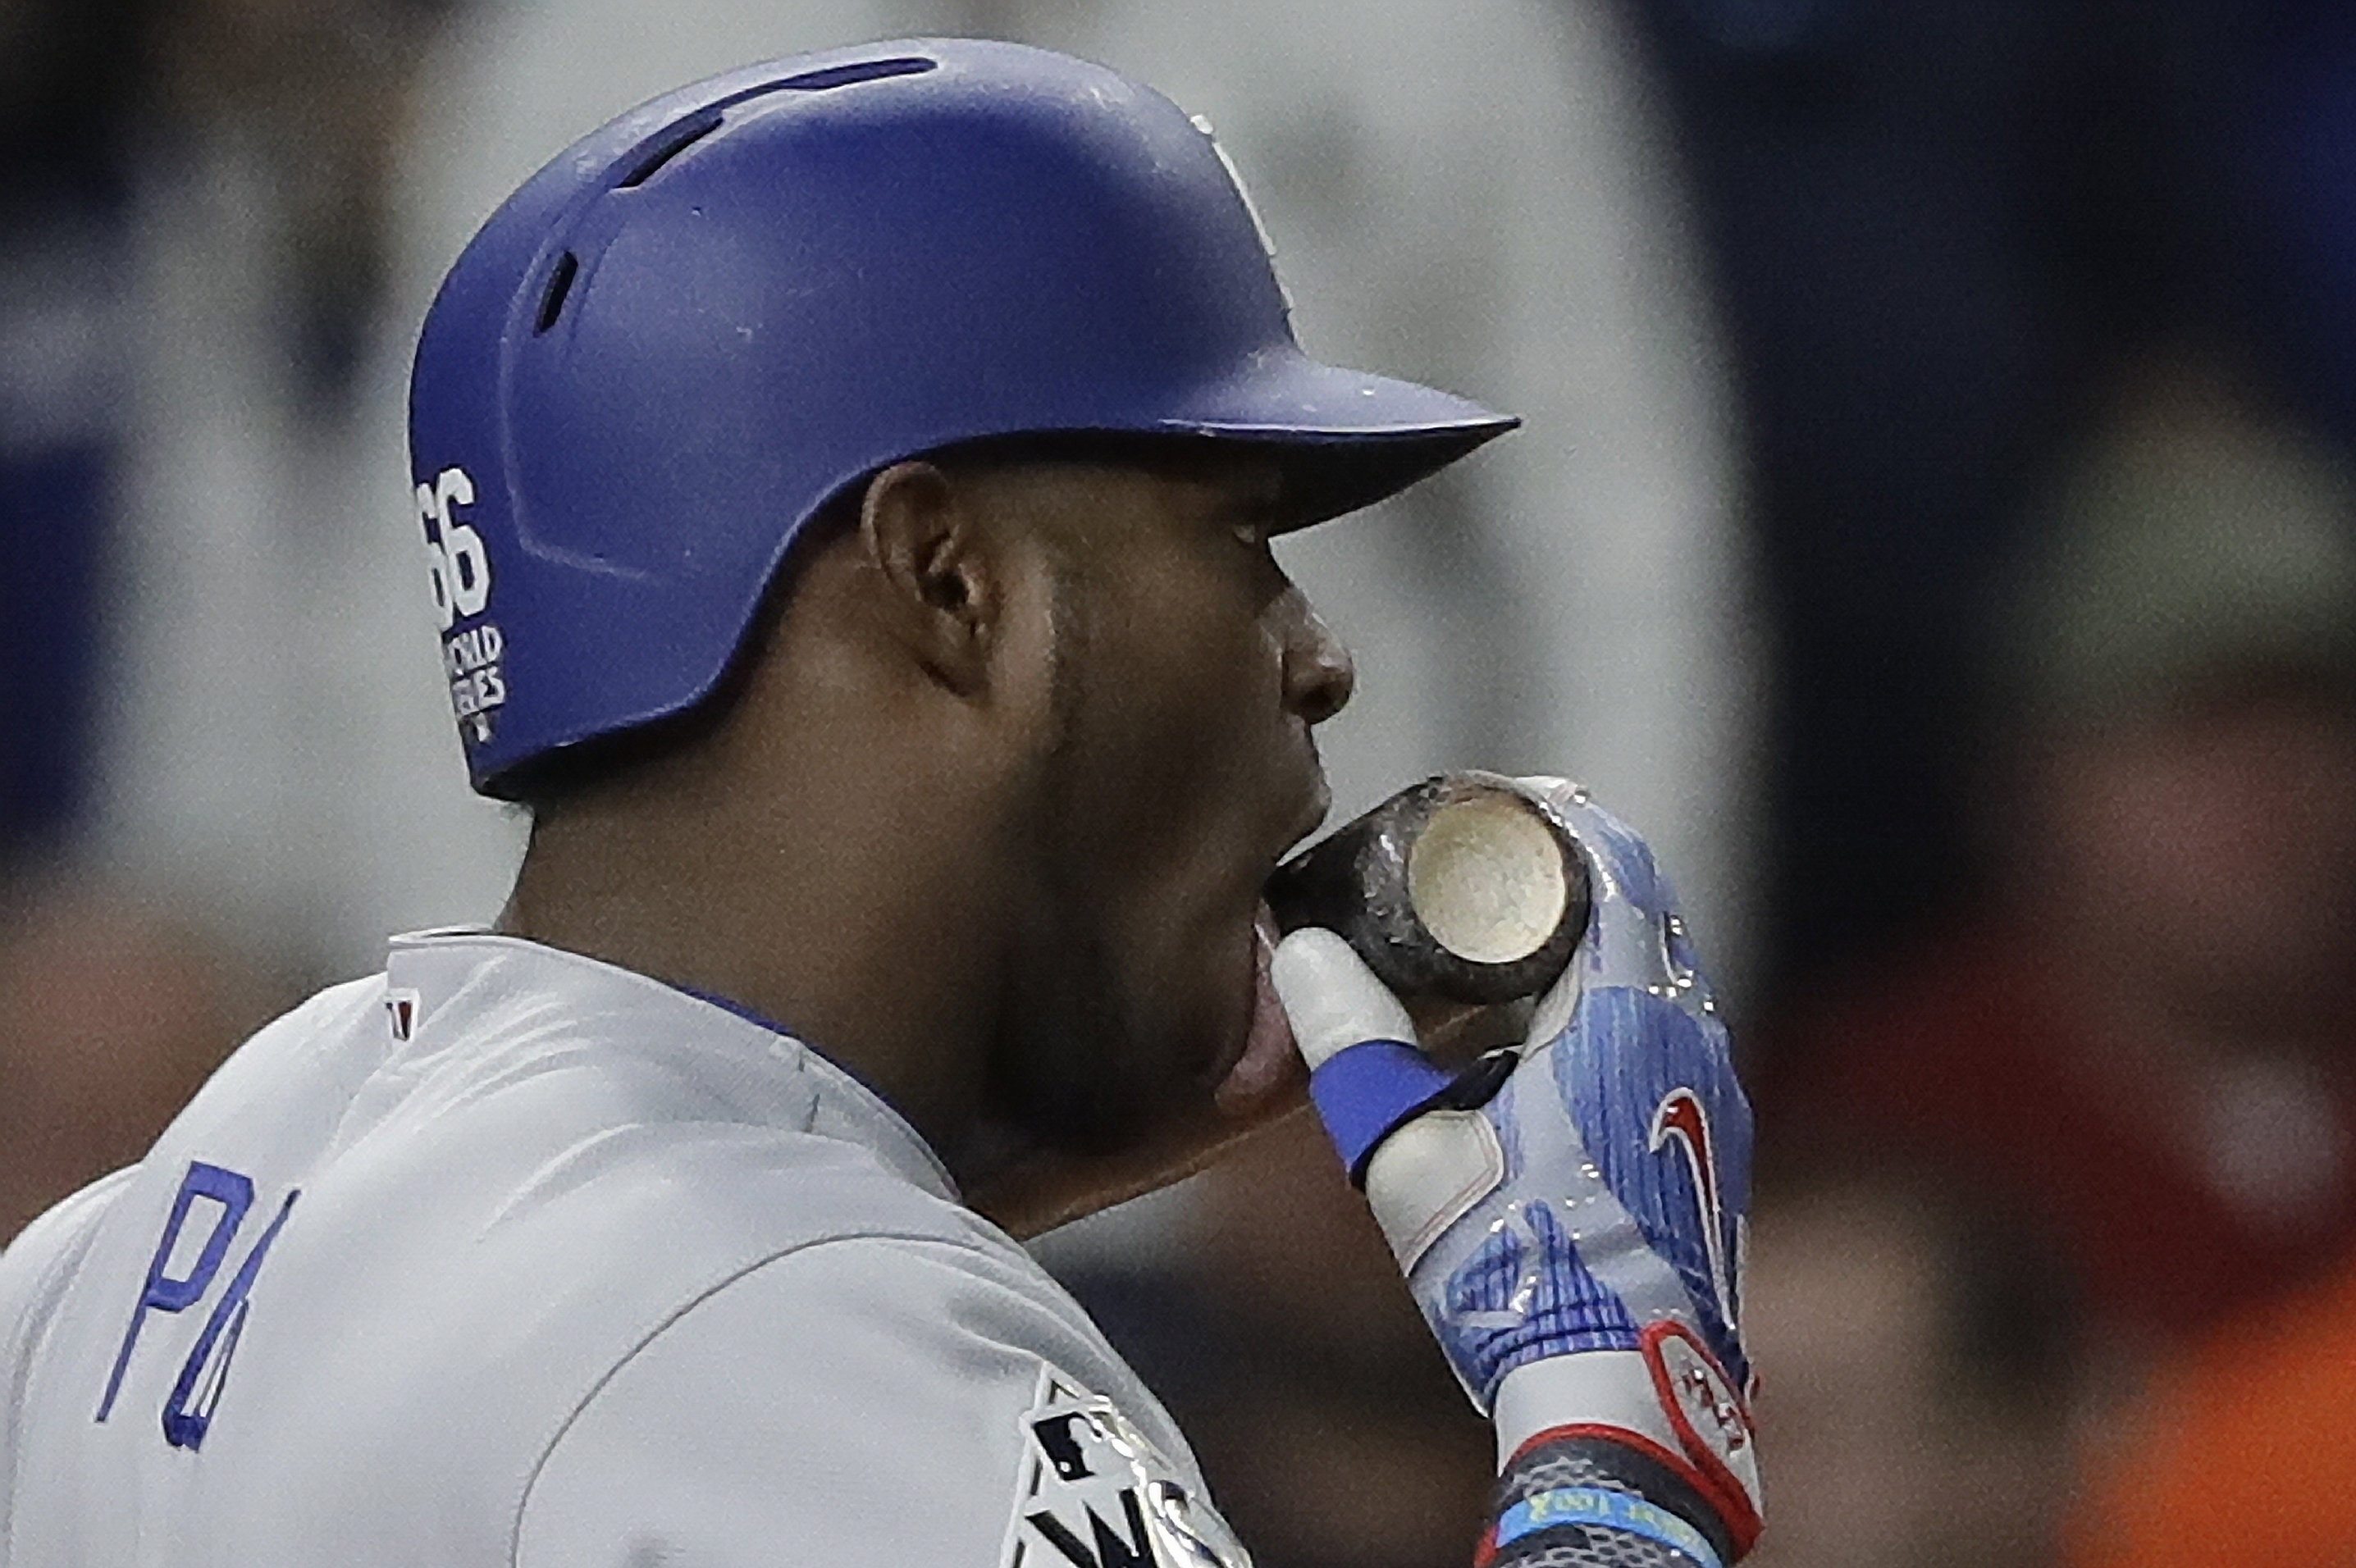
[(1201, 750)]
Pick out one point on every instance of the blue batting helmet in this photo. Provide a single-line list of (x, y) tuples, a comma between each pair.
[(666, 352)]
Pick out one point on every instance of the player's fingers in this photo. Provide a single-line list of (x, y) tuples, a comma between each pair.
[(1366, 1076), (1332, 998), (1422, 1166)]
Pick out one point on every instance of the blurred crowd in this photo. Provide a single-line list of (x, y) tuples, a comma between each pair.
[(1934, 526)]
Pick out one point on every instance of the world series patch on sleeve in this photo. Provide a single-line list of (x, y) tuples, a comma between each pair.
[(1092, 1492)]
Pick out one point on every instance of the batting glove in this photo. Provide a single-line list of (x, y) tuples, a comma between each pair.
[(1571, 1216)]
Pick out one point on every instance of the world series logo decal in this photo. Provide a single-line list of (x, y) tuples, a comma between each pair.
[(460, 569), (1091, 1492)]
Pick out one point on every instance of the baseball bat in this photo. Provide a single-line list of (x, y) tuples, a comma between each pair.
[(1460, 889)]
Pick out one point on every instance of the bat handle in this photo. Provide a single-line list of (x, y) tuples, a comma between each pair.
[(1460, 889)]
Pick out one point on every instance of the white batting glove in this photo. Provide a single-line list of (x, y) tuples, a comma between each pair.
[(1571, 1216)]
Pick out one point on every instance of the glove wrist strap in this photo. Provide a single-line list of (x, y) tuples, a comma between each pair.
[(1660, 1399), (1606, 1390), (1573, 1484)]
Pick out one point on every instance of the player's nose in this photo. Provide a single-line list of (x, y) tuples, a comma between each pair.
[(1318, 673)]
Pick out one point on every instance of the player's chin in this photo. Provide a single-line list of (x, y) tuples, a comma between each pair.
[(1118, 1084), (1190, 1071), (1196, 1049)]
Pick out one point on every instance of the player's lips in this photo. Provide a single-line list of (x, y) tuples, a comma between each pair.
[(1268, 1063), (1312, 816)]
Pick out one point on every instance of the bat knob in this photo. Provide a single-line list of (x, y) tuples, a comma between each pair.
[(1460, 888)]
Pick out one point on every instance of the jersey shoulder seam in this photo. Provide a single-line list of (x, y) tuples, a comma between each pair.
[(589, 1396)]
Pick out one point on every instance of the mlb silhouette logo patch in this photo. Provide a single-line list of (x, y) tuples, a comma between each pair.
[(401, 1013), (1091, 1492)]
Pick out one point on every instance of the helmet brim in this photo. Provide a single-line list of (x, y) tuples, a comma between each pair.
[(1346, 439)]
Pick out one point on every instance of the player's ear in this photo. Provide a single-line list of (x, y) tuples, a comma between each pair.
[(939, 594)]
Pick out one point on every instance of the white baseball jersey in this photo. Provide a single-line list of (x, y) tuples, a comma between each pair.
[(507, 1256)]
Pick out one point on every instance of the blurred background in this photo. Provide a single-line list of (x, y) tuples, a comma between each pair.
[(1932, 527)]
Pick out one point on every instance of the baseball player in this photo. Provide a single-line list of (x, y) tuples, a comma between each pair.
[(846, 486)]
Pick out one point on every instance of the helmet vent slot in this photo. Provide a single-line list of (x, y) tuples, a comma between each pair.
[(863, 71), (683, 135), (560, 283)]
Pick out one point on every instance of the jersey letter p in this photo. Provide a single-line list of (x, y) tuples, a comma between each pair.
[(229, 1195)]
